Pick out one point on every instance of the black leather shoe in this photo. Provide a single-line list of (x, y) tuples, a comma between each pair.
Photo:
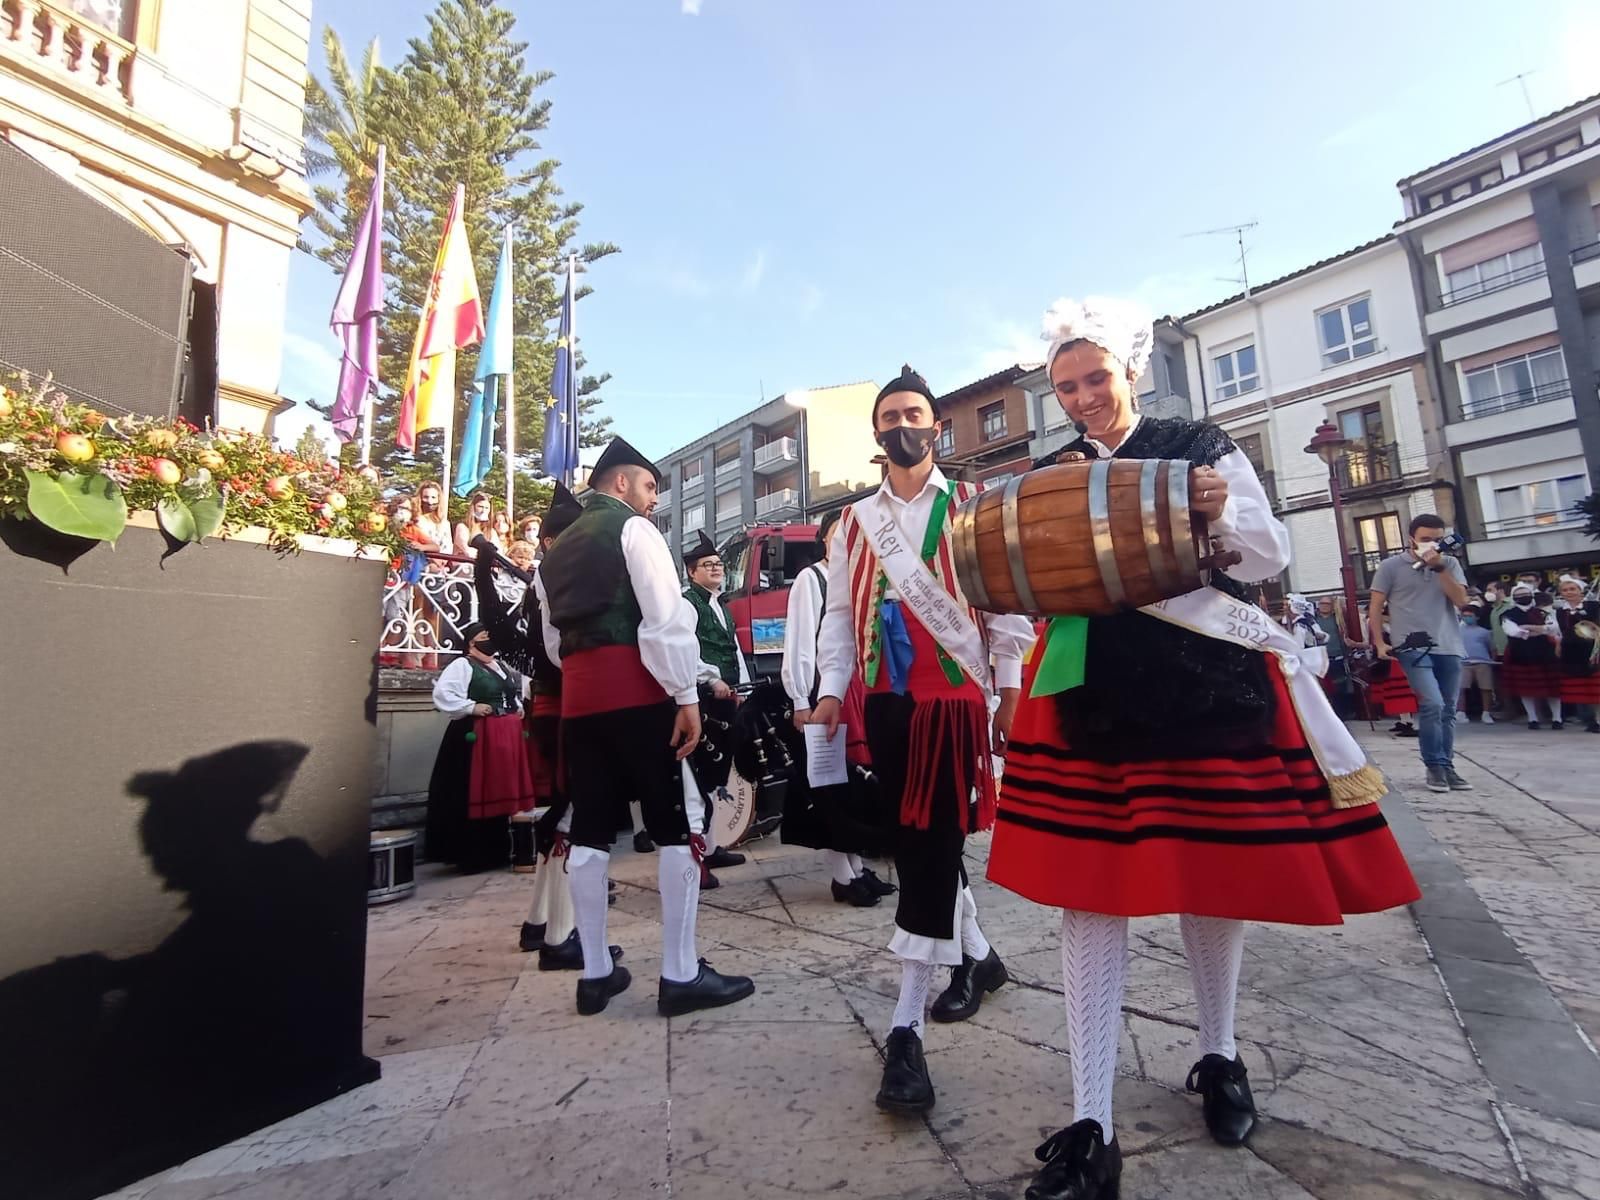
[(968, 983), (856, 892), (906, 1088), (878, 886), (642, 843), (1224, 1089), (568, 955), (532, 937), (721, 857), (708, 989), (1078, 1165), (595, 994)]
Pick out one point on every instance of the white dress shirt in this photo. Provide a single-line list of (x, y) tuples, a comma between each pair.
[(450, 689), (667, 640), (799, 671), (1009, 635)]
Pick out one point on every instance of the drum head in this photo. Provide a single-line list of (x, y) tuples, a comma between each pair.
[(733, 813)]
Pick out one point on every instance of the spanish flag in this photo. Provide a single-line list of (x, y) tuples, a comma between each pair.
[(452, 317)]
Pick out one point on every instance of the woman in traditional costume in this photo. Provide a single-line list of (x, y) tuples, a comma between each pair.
[(1196, 769), (1532, 671)]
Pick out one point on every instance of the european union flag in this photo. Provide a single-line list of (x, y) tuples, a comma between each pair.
[(561, 411)]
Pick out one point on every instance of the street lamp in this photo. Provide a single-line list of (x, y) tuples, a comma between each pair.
[(1329, 444)]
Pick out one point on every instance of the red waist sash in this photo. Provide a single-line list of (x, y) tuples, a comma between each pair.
[(606, 679)]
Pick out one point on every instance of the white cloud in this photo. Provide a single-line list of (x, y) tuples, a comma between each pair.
[(754, 271), (691, 8), (686, 281), (1005, 344)]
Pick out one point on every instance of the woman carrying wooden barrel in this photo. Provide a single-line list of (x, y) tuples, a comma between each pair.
[(1174, 759)]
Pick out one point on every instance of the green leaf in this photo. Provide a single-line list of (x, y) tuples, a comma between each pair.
[(83, 505), (208, 512), (190, 521)]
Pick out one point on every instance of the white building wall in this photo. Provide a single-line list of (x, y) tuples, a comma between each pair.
[(1314, 566)]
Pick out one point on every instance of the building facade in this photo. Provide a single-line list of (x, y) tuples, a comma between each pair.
[(1339, 341), (1503, 244), (985, 435), (775, 464), (185, 116)]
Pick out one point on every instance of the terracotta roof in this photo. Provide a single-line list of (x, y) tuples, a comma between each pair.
[(1001, 378), (1482, 146), (1282, 279)]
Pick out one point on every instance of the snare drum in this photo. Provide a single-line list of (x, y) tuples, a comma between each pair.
[(391, 865), (523, 853)]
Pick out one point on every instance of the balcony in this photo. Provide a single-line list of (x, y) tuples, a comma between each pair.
[(785, 502), (1366, 563), (692, 486), (728, 470), (1534, 523), (1368, 466), (422, 621), (57, 40), (1489, 406), (777, 455), (1586, 265), (1493, 284), (1469, 306)]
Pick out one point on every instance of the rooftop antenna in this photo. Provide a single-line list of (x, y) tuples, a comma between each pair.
[(1521, 79), (1238, 236)]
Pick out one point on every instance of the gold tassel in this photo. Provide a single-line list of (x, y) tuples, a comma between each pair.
[(1365, 786)]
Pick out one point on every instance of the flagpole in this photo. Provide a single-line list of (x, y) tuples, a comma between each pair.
[(511, 422), (450, 420)]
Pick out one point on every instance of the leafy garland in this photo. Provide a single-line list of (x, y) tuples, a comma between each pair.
[(80, 472)]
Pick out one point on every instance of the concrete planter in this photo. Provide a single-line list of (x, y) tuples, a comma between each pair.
[(187, 745)]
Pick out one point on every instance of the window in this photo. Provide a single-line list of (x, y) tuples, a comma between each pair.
[(1363, 424), (1377, 538), (694, 518), (117, 16), (1462, 189), (1236, 372), (1515, 383), (692, 470), (946, 445), (1347, 332), (1250, 446), (992, 421), (1532, 160), (735, 558), (1547, 502), (729, 507), (1501, 271)]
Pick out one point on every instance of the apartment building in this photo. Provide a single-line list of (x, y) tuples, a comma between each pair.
[(771, 465), (1503, 244), (1338, 341), (985, 431)]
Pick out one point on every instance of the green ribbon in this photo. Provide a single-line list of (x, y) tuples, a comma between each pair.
[(1061, 656)]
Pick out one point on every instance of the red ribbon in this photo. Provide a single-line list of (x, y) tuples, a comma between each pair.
[(697, 847)]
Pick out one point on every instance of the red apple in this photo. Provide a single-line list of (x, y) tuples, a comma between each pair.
[(279, 487), (74, 447), (164, 470)]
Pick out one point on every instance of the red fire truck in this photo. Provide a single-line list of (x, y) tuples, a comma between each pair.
[(762, 563)]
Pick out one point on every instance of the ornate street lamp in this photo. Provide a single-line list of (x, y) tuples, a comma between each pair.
[(1329, 444)]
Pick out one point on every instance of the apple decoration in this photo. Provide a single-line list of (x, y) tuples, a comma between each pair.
[(280, 487), (165, 471), (375, 523), (161, 439), (336, 501), (210, 460), (74, 447)]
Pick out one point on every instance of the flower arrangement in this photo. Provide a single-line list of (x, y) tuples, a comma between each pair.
[(80, 472)]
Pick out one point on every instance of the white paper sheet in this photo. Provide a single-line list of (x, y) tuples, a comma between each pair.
[(825, 765)]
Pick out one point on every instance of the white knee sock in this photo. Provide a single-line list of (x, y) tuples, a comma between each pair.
[(586, 873), (1094, 957), (838, 866), (678, 876), (973, 943), (1531, 707), (1215, 948), (855, 864), (1555, 709), (539, 910), (560, 918), (915, 980)]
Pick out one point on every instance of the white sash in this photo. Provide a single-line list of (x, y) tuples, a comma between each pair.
[(940, 613), (1351, 779)]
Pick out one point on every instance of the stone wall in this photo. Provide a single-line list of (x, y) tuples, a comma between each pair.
[(409, 729)]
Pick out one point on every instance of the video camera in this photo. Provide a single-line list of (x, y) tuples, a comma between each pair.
[(1448, 544)]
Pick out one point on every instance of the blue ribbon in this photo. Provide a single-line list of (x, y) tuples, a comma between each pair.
[(897, 648)]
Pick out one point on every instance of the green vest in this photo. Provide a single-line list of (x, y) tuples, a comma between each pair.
[(717, 646), (485, 687), (586, 580)]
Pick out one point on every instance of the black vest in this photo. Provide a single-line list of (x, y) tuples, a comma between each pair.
[(586, 580)]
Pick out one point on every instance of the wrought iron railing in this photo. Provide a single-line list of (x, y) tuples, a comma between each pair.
[(1488, 406), (1494, 283), (423, 620), (1363, 466), (1534, 523)]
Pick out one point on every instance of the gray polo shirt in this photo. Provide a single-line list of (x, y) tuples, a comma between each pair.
[(1417, 603)]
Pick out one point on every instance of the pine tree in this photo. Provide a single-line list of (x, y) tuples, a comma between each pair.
[(461, 107), (310, 448)]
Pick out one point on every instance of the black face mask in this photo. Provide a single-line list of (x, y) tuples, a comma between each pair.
[(905, 446), (485, 647)]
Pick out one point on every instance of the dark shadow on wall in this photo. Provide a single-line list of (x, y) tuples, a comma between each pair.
[(116, 1066)]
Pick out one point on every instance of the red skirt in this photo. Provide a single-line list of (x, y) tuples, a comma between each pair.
[(502, 778), (1580, 687), (1391, 696), (1253, 836), (1533, 680)]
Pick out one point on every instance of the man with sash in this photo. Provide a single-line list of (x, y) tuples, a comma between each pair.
[(623, 636), (719, 650), (895, 612)]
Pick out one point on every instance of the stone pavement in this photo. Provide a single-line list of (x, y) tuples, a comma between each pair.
[(1445, 1055)]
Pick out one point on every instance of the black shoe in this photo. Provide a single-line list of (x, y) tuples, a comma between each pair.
[(906, 1088), (1558, 725), (642, 843), (721, 857), (708, 881), (595, 994), (856, 892), (1457, 784), (532, 937), (1533, 724), (878, 886), (1224, 1088), (1407, 731), (968, 983), (1438, 781), (611, 885), (706, 990), (1078, 1165), (1399, 727), (568, 955), (1593, 726)]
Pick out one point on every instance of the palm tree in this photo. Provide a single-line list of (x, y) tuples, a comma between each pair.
[(341, 145)]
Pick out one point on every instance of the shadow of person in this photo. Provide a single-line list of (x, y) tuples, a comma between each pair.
[(142, 1060)]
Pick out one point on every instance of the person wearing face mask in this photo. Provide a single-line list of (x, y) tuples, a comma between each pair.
[(1477, 664), (481, 774), (1177, 759), (926, 711), (720, 650), (1425, 591), (1532, 669), (1580, 674)]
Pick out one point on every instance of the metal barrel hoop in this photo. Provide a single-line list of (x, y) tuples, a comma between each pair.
[(969, 571), (1149, 519), (1105, 548), (1011, 519), (1183, 546)]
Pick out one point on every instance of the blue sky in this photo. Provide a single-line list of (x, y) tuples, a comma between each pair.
[(809, 192)]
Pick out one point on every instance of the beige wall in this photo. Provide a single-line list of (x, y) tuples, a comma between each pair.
[(839, 445)]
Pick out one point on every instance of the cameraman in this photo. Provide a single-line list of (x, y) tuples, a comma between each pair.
[(1425, 591)]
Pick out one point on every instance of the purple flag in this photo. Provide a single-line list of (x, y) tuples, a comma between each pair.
[(355, 315)]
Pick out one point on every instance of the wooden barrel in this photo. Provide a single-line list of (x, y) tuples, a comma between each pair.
[(1086, 538)]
